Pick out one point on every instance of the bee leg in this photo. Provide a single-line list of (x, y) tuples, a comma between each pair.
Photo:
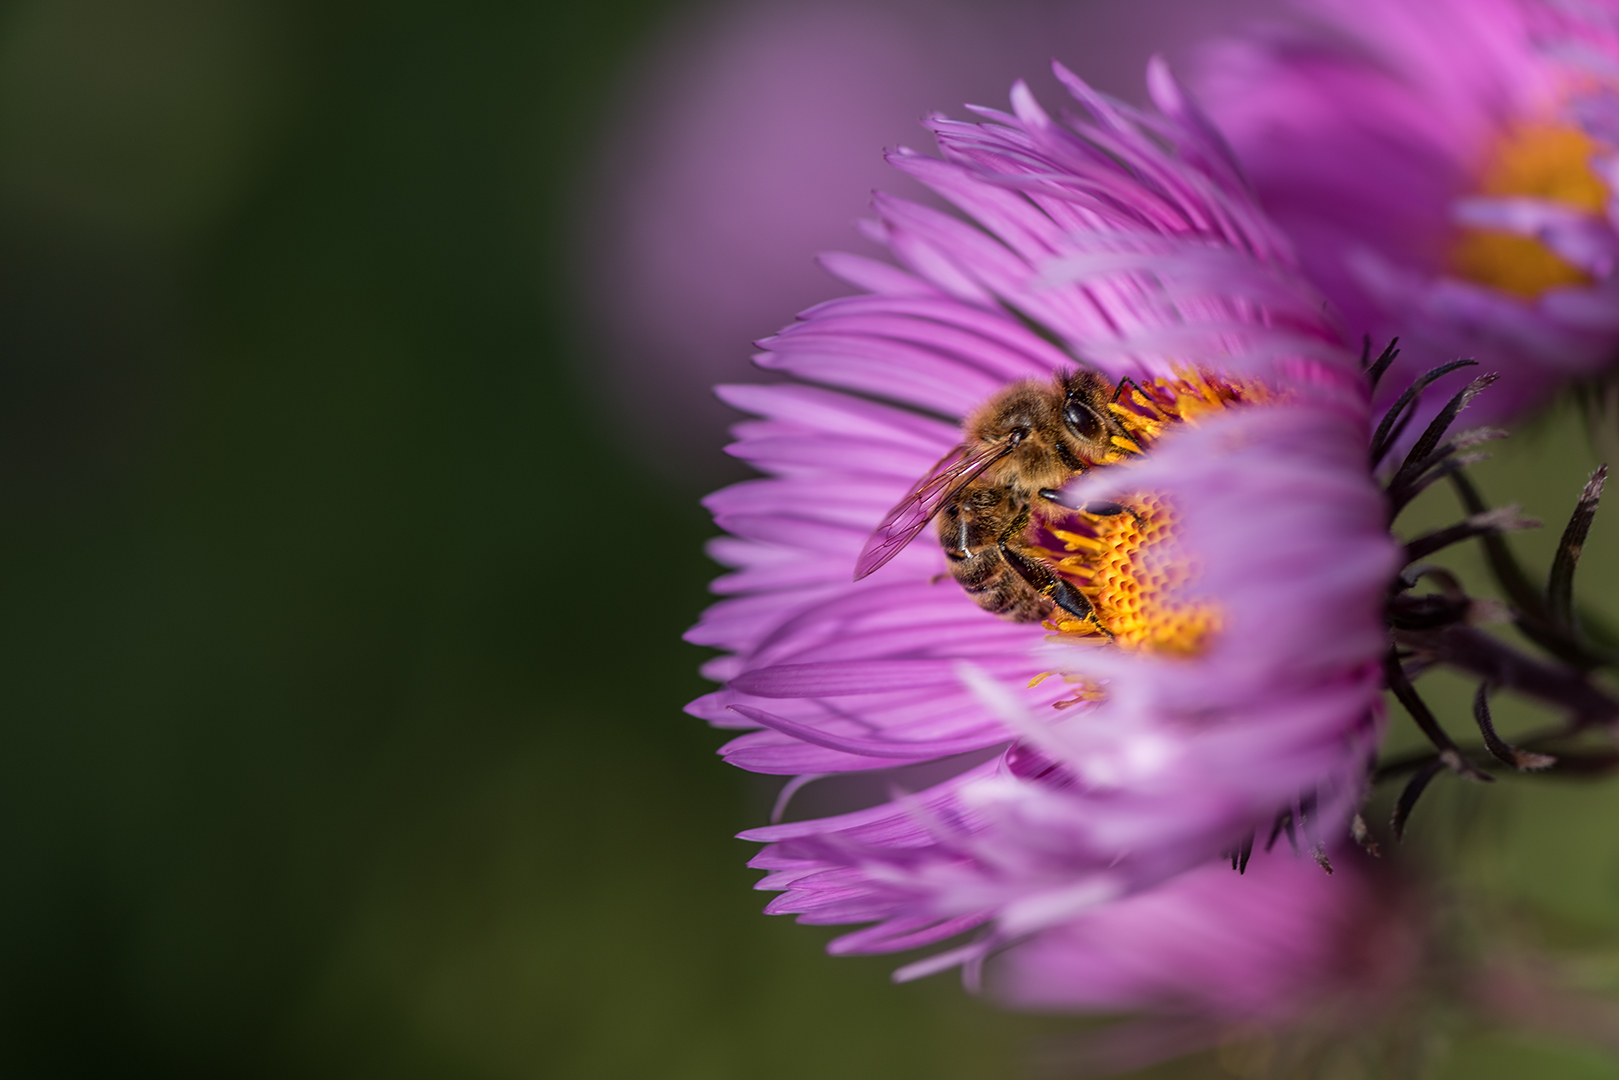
[(1099, 507), (1038, 575)]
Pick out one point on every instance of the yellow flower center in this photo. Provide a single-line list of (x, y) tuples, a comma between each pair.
[(1544, 161), (1136, 577), (1129, 564)]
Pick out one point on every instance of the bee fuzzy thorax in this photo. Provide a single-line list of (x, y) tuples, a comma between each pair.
[(1059, 427)]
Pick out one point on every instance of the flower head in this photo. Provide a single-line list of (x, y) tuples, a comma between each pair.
[(1446, 171), (1209, 572)]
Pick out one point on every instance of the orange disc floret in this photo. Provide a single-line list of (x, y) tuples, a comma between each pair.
[(1543, 161), (1150, 408), (1136, 577)]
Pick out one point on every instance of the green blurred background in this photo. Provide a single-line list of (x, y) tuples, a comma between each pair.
[(342, 737), (342, 729)]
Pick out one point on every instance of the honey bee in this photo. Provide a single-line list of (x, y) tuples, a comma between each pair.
[(1020, 449)]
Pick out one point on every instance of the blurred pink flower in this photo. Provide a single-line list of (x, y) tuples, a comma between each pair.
[(750, 138), (1446, 172), (1268, 947), (1244, 613), (1211, 957)]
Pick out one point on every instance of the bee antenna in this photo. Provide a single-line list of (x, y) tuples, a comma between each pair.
[(1119, 389)]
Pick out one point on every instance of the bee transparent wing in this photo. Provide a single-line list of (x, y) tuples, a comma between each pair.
[(911, 514)]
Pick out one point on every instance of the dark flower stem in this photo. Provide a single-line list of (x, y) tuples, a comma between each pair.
[(1505, 667), (1560, 583), (1450, 755), (1432, 629)]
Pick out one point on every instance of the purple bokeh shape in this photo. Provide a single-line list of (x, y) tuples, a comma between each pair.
[(751, 137)]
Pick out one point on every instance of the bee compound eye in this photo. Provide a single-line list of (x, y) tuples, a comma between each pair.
[(1083, 420)]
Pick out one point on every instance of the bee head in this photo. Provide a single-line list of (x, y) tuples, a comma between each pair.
[(1084, 405), (1052, 429)]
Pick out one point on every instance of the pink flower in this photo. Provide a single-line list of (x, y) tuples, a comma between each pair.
[(1268, 947), (1233, 555), (1181, 757), (1446, 171), (1210, 955)]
